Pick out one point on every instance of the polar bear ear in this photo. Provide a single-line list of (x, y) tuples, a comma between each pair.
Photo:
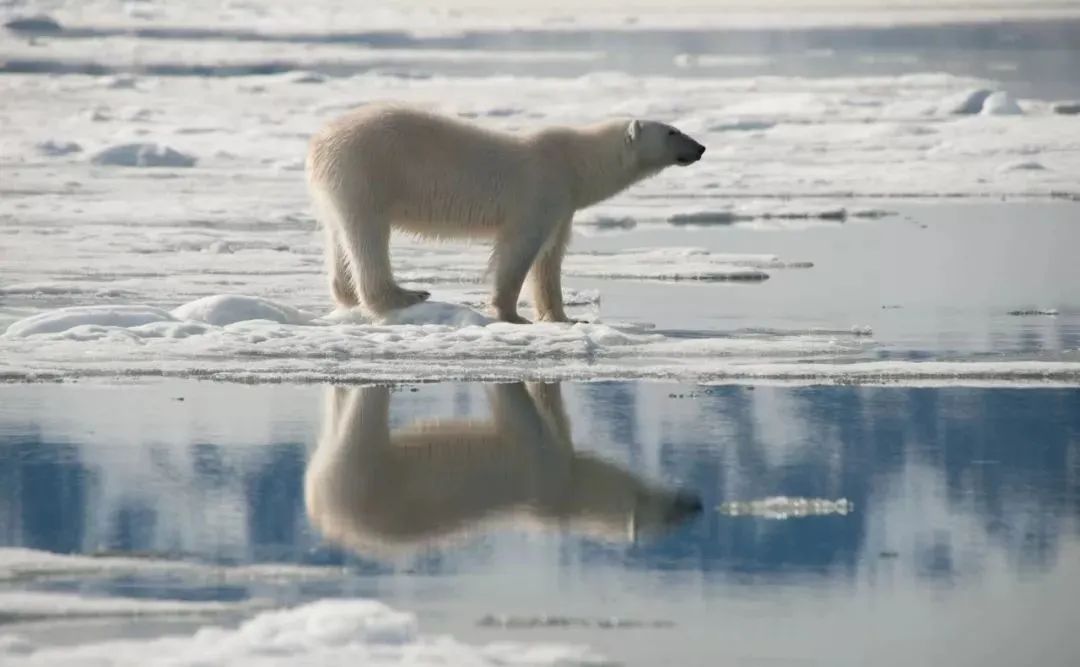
[(633, 131)]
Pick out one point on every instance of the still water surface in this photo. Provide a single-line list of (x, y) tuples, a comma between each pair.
[(586, 513)]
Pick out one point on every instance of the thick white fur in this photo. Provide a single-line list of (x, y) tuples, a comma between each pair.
[(386, 167), (372, 488)]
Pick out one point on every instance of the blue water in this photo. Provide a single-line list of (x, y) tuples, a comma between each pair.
[(585, 500)]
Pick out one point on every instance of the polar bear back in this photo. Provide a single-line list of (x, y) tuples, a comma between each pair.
[(428, 174)]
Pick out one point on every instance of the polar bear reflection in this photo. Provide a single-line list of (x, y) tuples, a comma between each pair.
[(368, 488)]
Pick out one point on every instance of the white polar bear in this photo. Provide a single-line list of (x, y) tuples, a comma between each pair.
[(387, 166)]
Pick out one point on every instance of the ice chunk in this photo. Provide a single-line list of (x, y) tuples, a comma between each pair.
[(142, 155)]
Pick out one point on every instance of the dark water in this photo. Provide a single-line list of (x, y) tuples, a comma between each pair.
[(539, 511)]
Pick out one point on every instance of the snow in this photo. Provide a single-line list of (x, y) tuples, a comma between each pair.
[(327, 632)]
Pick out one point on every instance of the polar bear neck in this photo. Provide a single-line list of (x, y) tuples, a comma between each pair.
[(597, 160)]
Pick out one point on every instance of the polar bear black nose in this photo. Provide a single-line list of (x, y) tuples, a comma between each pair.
[(700, 151)]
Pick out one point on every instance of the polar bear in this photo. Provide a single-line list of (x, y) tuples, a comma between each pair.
[(389, 166), (374, 486)]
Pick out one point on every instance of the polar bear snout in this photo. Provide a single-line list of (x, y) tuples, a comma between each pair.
[(689, 153)]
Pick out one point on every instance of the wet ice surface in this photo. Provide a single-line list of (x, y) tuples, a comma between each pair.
[(540, 522), (934, 293)]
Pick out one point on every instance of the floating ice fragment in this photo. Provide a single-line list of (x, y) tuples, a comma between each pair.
[(784, 507)]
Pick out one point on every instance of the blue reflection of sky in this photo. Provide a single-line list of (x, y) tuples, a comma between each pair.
[(936, 476)]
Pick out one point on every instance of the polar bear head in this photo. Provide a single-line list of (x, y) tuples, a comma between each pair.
[(656, 145)]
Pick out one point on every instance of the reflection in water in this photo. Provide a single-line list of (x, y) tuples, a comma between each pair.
[(368, 488)]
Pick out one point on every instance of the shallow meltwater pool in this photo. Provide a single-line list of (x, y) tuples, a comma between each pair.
[(523, 523)]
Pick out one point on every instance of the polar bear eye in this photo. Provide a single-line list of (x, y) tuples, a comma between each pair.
[(672, 133)]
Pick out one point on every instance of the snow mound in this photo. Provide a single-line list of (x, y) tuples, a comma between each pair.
[(64, 319), (327, 632), (57, 148), (142, 155), (224, 309), (1001, 104)]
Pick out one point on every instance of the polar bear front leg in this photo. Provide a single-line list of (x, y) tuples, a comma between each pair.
[(547, 277)]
